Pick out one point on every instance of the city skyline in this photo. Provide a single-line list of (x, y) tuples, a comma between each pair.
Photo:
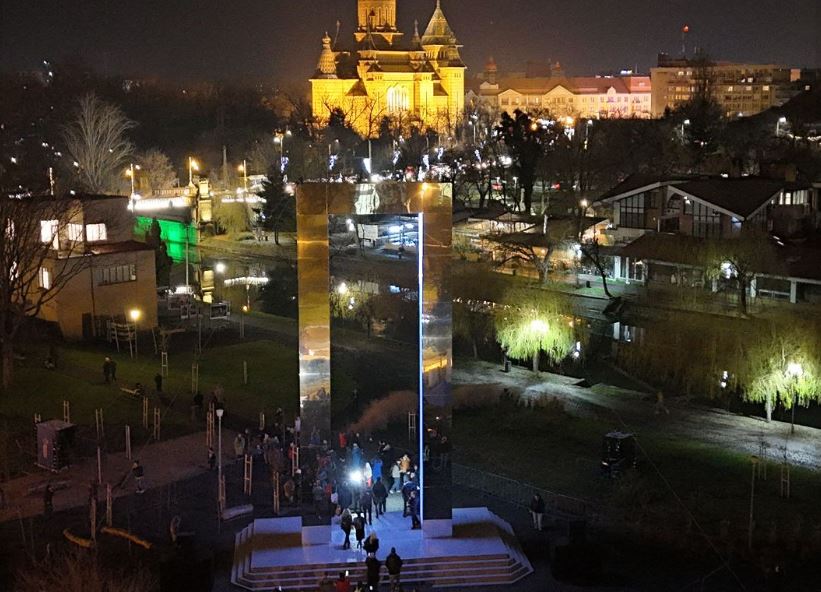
[(258, 41)]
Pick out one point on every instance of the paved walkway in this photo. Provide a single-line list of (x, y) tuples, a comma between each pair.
[(635, 410), (164, 462)]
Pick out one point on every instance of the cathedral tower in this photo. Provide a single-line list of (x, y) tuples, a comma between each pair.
[(377, 18)]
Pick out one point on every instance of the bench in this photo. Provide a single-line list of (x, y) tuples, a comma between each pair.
[(237, 511), (130, 392)]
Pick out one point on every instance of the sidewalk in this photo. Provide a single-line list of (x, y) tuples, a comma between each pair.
[(164, 462)]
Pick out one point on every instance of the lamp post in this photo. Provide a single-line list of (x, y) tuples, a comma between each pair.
[(242, 321), (781, 121), (193, 165), (279, 138), (684, 123), (243, 168), (135, 314), (219, 454), (794, 372), (129, 172), (219, 269)]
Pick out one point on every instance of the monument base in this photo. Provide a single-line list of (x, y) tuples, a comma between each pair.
[(316, 535), (269, 553), (437, 529)]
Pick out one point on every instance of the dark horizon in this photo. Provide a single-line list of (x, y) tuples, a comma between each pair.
[(265, 42)]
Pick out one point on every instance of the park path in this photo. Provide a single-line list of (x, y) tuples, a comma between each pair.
[(635, 411), (164, 462)]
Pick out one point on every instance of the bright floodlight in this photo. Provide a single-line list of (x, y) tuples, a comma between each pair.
[(219, 267), (782, 120), (538, 326), (794, 370), (355, 476), (134, 313), (342, 289), (583, 203)]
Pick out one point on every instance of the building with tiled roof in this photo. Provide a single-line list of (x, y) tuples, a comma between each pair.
[(382, 75), (591, 97)]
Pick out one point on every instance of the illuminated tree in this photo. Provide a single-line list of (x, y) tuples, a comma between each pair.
[(95, 141), (531, 321), (781, 363), (534, 248)]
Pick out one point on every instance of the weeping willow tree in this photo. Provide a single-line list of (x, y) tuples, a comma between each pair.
[(529, 322), (783, 363)]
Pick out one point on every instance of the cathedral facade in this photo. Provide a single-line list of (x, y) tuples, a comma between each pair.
[(420, 81)]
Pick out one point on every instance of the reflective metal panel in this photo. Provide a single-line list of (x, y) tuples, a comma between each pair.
[(433, 204)]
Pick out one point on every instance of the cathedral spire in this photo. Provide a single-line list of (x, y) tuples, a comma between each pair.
[(438, 31), (326, 68), (416, 41)]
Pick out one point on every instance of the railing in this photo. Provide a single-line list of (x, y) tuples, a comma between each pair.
[(519, 493)]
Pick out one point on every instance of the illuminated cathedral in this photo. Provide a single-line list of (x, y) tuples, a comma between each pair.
[(382, 75)]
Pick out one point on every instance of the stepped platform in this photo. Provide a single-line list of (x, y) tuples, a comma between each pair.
[(268, 553)]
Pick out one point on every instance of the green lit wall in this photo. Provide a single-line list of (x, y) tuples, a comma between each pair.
[(173, 233)]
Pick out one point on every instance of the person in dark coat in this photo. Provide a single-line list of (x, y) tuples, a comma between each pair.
[(345, 523), (393, 563), (158, 382), (359, 528), (373, 565), (372, 544), (380, 494), (366, 505), (409, 486), (413, 510), (537, 511)]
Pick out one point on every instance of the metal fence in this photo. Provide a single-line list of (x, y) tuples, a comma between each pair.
[(520, 493)]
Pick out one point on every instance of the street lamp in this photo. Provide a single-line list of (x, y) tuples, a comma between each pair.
[(135, 314), (279, 138), (243, 168), (794, 372), (781, 121), (684, 123), (219, 456), (129, 172), (242, 321), (193, 165)]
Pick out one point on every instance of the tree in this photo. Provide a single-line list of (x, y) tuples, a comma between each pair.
[(279, 295), (280, 207), (739, 259), (156, 172), (534, 248), (96, 141), (38, 257), (476, 289), (528, 140), (162, 260), (780, 363), (231, 217), (82, 572), (531, 321)]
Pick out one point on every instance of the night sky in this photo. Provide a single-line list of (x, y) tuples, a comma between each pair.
[(279, 41)]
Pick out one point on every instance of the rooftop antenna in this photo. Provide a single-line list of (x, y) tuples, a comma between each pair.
[(684, 30), (338, 25)]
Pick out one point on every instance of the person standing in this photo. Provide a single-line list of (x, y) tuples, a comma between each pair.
[(359, 528), (373, 565), (660, 406), (342, 584), (48, 501), (239, 445), (372, 544), (158, 382), (366, 505), (380, 494), (396, 474), (413, 510), (376, 468), (345, 523), (107, 370), (393, 563), (139, 473), (404, 468), (537, 511), (212, 458), (113, 366)]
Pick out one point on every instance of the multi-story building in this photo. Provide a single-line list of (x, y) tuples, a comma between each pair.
[(661, 228), (97, 269), (741, 89), (380, 75), (591, 97)]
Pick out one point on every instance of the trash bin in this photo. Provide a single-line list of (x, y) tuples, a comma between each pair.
[(507, 365)]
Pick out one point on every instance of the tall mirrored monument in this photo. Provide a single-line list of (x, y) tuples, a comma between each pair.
[(431, 203)]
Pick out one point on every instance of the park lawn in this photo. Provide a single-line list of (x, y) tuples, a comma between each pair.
[(561, 454)]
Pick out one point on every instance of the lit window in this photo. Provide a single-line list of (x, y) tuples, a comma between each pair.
[(96, 232), (117, 274), (75, 232), (45, 278), (398, 99), (48, 231)]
